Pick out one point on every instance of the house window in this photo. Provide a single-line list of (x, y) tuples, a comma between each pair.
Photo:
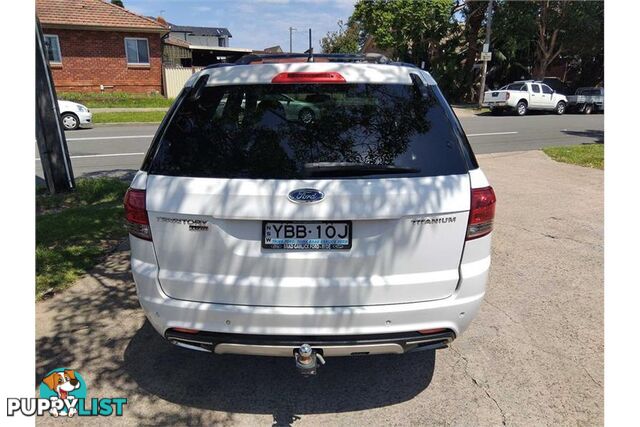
[(222, 42), (137, 51), (52, 48)]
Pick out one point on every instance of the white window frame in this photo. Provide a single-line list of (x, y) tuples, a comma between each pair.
[(55, 36), (127, 56)]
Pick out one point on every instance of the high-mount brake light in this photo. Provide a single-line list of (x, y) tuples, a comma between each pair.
[(483, 210), (289, 78), (135, 211)]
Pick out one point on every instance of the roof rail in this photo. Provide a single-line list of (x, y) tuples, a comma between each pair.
[(373, 58)]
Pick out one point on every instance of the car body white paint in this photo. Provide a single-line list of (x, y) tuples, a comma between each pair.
[(84, 115), (399, 276), (506, 98)]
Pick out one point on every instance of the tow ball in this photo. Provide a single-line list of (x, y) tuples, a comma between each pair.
[(308, 360)]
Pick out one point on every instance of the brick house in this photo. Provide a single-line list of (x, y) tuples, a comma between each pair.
[(95, 46)]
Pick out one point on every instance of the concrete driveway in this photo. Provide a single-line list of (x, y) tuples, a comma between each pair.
[(533, 356)]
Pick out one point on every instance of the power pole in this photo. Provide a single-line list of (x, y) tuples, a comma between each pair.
[(485, 50), (291, 30), (52, 143)]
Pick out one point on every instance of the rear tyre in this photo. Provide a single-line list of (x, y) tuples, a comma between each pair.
[(588, 109), (521, 108), (70, 121), (561, 107), (496, 111)]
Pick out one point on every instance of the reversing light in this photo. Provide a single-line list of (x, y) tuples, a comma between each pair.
[(304, 77)]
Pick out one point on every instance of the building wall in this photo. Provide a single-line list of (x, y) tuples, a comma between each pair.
[(201, 40), (93, 58), (176, 56)]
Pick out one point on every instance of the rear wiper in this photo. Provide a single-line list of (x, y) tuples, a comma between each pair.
[(352, 169)]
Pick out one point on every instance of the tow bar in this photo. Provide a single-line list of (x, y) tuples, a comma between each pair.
[(307, 360)]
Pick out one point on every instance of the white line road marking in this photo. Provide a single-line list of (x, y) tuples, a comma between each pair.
[(491, 133), (110, 137), (104, 155)]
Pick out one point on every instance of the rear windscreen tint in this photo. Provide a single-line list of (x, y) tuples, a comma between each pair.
[(283, 131)]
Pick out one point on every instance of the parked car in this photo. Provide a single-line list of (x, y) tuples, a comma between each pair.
[(587, 100), (295, 109), (367, 232), (523, 96), (74, 115)]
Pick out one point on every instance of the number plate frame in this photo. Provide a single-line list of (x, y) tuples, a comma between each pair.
[(327, 247)]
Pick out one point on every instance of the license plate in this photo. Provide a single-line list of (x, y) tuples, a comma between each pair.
[(306, 235)]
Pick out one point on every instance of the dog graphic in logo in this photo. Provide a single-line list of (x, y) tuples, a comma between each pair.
[(65, 385)]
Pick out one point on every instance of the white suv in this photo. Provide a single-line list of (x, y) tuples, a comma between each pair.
[(366, 230)]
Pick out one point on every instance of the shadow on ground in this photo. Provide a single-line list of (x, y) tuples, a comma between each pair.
[(123, 174), (271, 385), (596, 136), (101, 332)]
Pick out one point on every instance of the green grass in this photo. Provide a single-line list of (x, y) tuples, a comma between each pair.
[(124, 117), (116, 99), (74, 231), (588, 155)]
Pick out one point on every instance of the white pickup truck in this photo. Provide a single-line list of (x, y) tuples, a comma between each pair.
[(522, 96)]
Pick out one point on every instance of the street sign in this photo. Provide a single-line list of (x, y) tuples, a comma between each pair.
[(485, 56)]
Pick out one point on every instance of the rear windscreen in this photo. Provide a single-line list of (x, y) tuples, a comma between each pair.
[(294, 131)]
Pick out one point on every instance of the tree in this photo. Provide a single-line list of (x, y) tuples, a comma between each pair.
[(414, 30), (529, 37), (551, 20), (473, 13), (345, 40), (118, 3)]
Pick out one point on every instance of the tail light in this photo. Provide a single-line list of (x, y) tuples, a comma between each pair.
[(308, 78), (135, 211), (483, 209), (508, 95)]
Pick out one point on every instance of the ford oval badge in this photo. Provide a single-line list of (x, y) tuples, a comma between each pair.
[(306, 195)]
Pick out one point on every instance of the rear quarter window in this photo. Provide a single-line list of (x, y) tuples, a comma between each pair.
[(284, 131)]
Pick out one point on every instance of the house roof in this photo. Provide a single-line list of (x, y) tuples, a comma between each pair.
[(96, 14), (273, 49), (176, 42), (200, 31)]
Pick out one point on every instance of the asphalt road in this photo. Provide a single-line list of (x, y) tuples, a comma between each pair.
[(119, 150)]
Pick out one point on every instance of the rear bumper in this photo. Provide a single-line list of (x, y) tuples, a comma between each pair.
[(328, 346), (495, 104), (453, 313)]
